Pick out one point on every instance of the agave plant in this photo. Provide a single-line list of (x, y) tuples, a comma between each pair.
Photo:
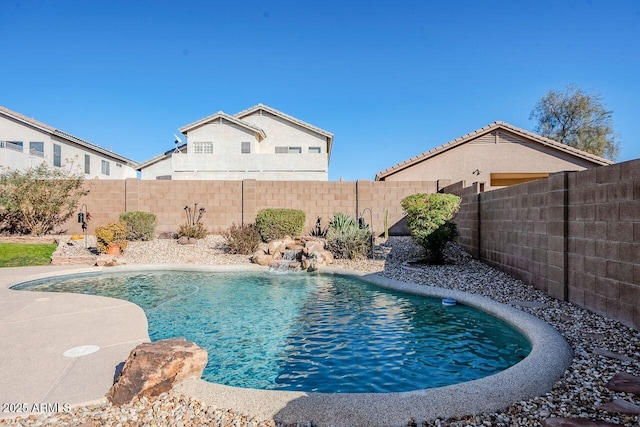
[(342, 222)]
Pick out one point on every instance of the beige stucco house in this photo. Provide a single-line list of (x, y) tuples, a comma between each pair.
[(26, 143), (497, 155), (259, 143)]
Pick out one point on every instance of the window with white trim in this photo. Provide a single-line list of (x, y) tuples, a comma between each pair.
[(105, 169), (246, 147), (315, 150), (36, 148), (203, 147), (87, 164), (284, 150), (57, 155)]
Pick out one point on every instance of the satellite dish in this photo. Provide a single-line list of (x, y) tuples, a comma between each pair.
[(178, 140)]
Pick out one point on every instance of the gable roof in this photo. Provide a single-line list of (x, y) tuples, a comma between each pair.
[(159, 157), (488, 129), (290, 119), (222, 115), (63, 135)]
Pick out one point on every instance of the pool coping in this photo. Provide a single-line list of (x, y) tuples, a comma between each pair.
[(535, 375)]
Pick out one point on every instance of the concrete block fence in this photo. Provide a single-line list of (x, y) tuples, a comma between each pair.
[(575, 235), (238, 202)]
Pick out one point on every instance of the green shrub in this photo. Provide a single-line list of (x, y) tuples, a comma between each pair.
[(243, 239), (140, 225), (36, 200), (114, 232), (276, 223), (428, 214), (437, 241), (345, 239)]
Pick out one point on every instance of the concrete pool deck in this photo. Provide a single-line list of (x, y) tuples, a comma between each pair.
[(37, 328)]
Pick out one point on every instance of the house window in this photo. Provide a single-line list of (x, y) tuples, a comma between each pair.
[(284, 150), (205, 147), (36, 148), (87, 164), (57, 155), (246, 148), (315, 150), (13, 145), (105, 167), (118, 165)]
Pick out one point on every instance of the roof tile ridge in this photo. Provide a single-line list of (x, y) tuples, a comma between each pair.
[(283, 115), (557, 144)]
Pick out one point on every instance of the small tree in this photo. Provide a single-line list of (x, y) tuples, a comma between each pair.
[(578, 119), (429, 220), (36, 200)]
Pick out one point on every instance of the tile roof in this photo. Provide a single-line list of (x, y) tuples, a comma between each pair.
[(225, 116), (64, 135), (485, 130)]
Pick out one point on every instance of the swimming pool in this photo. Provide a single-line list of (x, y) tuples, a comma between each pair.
[(320, 333)]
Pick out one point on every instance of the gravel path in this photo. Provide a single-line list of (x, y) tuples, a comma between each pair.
[(577, 394)]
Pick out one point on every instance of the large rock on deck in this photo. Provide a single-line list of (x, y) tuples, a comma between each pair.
[(154, 368)]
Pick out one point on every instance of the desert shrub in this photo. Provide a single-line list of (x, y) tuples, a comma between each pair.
[(243, 239), (276, 223), (114, 232), (140, 225), (429, 220), (197, 231), (345, 238), (36, 200), (193, 227)]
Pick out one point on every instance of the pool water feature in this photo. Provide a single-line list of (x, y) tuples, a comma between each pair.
[(312, 333)]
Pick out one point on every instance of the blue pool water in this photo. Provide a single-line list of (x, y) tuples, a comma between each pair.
[(312, 333)]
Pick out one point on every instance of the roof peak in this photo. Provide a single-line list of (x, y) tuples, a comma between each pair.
[(484, 130)]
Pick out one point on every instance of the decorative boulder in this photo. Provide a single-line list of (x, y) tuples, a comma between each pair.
[(275, 246), (108, 261), (153, 368), (313, 246), (168, 235), (327, 257), (262, 259)]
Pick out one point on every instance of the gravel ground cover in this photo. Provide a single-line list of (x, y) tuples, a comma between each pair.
[(602, 347)]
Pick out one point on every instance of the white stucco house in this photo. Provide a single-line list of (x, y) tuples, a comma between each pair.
[(26, 143), (259, 143)]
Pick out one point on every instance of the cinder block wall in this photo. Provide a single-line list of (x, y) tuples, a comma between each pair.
[(574, 235), (229, 202)]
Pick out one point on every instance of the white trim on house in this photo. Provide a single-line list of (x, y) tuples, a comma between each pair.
[(220, 147), (26, 143)]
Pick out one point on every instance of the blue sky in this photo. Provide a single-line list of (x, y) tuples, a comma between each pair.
[(389, 79)]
